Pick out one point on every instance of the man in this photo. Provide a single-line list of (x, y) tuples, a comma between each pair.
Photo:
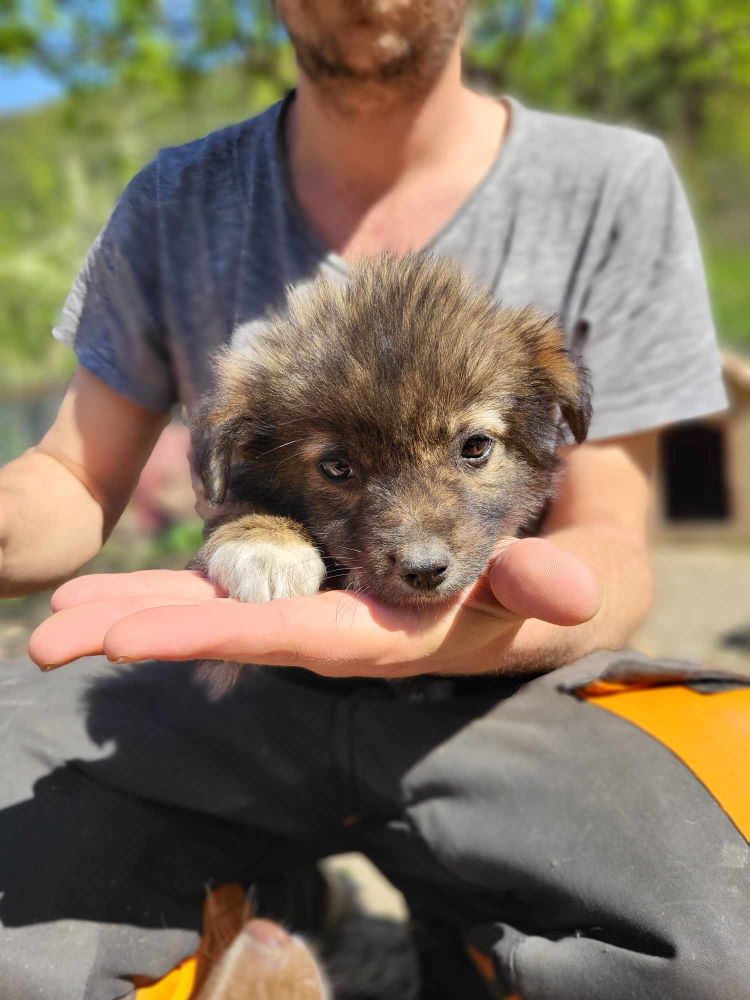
[(578, 855)]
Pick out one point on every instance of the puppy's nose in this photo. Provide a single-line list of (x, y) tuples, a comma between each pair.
[(424, 566)]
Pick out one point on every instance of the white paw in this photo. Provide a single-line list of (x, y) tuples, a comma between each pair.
[(260, 571)]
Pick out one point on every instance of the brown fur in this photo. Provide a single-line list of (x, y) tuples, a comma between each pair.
[(249, 971), (393, 371), (233, 964), (281, 531)]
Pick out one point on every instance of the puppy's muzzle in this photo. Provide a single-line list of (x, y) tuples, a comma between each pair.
[(424, 565)]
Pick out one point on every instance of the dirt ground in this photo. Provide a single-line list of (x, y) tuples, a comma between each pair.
[(702, 607)]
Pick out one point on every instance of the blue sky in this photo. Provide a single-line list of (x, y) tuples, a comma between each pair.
[(25, 86)]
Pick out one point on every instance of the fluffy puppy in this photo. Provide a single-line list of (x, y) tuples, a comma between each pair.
[(383, 434)]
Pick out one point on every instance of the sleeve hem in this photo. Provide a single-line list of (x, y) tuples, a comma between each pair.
[(139, 394), (656, 415)]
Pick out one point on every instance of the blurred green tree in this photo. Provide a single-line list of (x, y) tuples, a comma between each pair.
[(657, 62), (161, 43)]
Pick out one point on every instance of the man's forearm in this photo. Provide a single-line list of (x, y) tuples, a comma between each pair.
[(60, 500), (621, 563), (50, 524)]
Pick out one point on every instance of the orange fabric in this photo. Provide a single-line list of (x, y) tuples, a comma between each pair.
[(225, 911), (710, 733), (177, 985), (601, 687), (486, 969), (483, 963)]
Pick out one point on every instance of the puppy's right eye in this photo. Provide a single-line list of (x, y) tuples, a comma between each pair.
[(477, 448), (337, 469)]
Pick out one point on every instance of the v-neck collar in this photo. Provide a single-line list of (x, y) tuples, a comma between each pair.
[(506, 154)]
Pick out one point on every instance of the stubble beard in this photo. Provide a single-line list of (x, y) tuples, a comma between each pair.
[(381, 55)]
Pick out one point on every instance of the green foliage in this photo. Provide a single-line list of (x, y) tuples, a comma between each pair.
[(728, 268), (656, 62), (182, 539), (157, 43), (148, 73)]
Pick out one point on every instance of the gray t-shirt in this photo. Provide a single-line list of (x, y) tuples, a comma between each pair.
[(585, 220)]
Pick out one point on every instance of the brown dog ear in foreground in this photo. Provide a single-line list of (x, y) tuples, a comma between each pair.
[(242, 957)]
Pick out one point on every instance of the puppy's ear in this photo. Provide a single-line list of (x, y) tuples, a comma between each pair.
[(224, 420), (575, 405), (567, 378), (214, 439)]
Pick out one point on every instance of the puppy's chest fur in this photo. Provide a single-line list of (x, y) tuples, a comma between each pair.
[(384, 435)]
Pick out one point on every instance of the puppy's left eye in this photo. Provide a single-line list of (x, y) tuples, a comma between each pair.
[(337, 469), (477, 448)]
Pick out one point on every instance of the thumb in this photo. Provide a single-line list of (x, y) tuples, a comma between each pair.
[(534, 578)]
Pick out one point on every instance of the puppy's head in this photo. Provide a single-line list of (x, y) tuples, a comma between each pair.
[(404, 417)]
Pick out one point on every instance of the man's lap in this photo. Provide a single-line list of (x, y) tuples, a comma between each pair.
[(564, 838), (521, 818)]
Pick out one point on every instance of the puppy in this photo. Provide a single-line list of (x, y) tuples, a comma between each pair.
[(384, 435)]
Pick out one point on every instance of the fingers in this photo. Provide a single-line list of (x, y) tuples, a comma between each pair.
[(302, 631), (329, 632), (534, 578), (142, 616), (80, 630), (180, 584)]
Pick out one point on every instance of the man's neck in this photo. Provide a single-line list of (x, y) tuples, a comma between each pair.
[(389, 177), (368, 149)]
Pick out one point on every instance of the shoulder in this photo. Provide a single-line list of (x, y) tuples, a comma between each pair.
[(584, 152), (214, 161)]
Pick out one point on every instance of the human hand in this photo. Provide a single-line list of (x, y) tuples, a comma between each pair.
[(180, 615)]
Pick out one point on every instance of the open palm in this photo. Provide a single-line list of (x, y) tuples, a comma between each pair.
[(179, 615)]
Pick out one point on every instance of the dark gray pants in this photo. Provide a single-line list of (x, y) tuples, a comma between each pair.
[(576, 850)]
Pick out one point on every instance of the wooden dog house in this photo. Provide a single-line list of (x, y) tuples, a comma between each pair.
[(704, 488)]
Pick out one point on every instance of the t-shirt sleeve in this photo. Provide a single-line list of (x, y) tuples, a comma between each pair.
[(113, 316), (649, 342)]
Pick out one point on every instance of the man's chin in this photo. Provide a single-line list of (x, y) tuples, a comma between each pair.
[(374, 54), (350, 91)]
